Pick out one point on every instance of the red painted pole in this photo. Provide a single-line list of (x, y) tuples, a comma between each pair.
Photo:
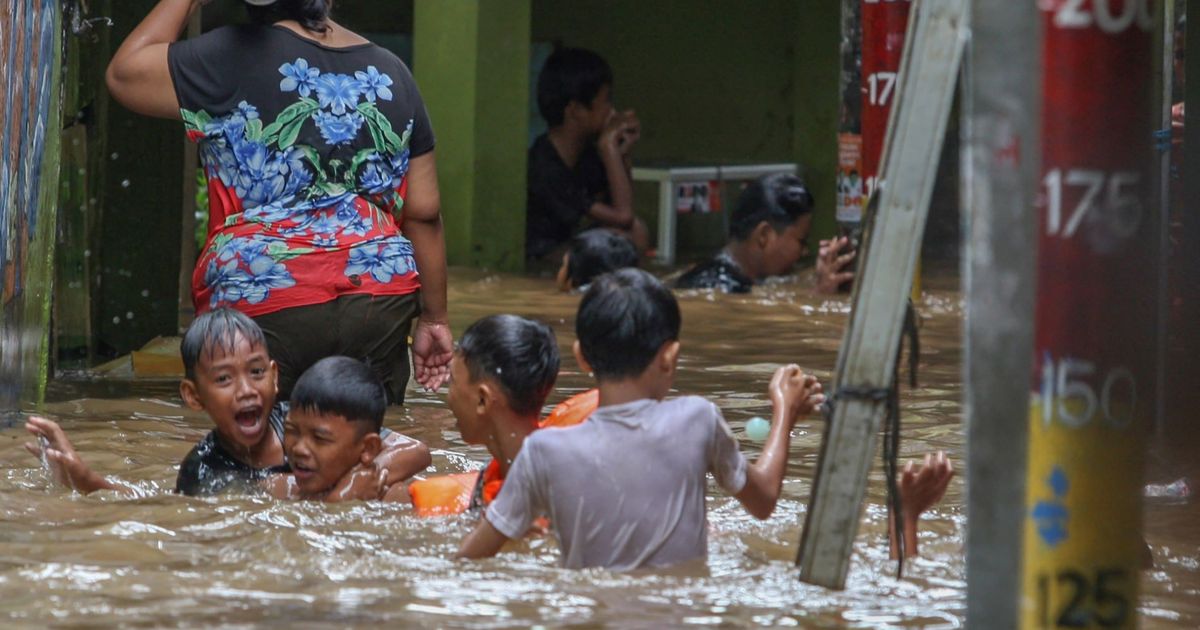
[(1093, 379), (884, 23)]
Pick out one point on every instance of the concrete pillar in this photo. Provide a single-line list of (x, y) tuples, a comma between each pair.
[(471, 60)]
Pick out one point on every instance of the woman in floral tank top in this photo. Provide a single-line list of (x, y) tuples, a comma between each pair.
[(324, 211)]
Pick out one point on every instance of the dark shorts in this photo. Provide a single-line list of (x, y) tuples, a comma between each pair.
[(373, 329)]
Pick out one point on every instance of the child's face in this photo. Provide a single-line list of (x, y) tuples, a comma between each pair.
[(785, 248), (236, 387), (464, 399), (322, 448)]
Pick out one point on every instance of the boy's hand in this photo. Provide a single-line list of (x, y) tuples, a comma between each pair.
[(797, 393), (622, 132), (921, 488), (58, 453), (432, 349), (364, 482), (830, 265)]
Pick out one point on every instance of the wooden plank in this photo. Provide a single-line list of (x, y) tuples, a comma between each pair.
[(933, 50)]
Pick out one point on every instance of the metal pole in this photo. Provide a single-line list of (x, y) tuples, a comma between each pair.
[(1000, 151), (187, 236), (1163, 227), (1092, 398)]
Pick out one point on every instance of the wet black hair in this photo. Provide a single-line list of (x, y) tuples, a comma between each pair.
[(221, 328), (519, 354), (778, 199), (624, 319), (342, 386), (598, 251), (313, 15), (570, 74)]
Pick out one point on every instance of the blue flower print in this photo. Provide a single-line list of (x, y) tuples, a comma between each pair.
[(376, 175), (325, 241), (338, 129), (381, 261), (325, 224), (298, 77), (374, 83), (266, 274), (259, 180), (338, 92), (358, 226), (238, 248)]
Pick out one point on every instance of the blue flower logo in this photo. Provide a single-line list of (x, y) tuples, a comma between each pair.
[(338, 129), (338, 92), (381, 261), (298, 77), (374, 83)]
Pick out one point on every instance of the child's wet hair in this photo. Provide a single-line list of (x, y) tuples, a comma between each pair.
[(778, 199), (519, 354), (570, 74), (598, 251), (342, 386), (218, 328), (624, 319)]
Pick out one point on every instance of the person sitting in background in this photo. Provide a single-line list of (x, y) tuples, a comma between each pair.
[(230, 376), (769, 231), (580, 167), (592, 253)]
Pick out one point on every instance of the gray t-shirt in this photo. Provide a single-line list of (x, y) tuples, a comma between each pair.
[(625, 489)]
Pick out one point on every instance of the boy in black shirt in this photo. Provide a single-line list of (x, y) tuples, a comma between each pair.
[(580, 167), (230, 376)]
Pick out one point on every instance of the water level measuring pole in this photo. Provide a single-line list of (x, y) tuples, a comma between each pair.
[(1092, 387), (1000, 155)]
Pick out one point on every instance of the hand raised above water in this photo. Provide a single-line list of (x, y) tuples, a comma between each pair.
[(432, 349), (797, 393)]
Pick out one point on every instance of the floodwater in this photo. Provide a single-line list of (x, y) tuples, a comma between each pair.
[(163, 559)]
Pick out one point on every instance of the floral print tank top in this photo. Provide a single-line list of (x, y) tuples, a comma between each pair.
[(306, 150)]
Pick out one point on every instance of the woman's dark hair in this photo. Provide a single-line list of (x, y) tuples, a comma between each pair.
[(313, 15), (598, 251), (342, 386), (570, 74), (778, 199), (218, 328), (624, 319), (518, 353)]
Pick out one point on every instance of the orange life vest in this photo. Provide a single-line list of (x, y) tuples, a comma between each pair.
[(454, 494)]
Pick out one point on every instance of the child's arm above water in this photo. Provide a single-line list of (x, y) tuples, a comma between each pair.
[(56, 451), (920, 489), (794, 394)]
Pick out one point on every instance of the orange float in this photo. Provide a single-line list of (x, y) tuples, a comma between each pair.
[(443, 495)]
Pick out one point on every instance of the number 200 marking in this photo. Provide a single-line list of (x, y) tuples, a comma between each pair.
[(1072, 14)]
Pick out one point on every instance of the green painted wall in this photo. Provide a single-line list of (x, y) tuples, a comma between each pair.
[(471, 61)]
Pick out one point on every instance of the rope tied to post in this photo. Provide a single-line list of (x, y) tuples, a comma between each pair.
[(889, 395)]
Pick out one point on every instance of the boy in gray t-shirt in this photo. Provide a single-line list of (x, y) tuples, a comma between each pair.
[(626, 489)]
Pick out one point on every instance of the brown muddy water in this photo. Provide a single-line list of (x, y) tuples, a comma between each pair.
[(163, 559)]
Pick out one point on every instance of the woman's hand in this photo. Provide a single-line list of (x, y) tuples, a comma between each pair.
[(432, 349)]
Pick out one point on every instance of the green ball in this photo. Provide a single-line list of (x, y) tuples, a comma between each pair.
[(757, 429)]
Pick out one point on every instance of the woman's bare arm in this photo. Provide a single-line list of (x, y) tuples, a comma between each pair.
[(138, 76)]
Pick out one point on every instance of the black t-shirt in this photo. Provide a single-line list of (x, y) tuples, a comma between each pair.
[(211, 469), (719, 272), (558, 196)]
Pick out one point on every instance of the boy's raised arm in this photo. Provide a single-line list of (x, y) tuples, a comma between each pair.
[(65, 464), (920, 489), (402, 457), (793, 394), (484, 541)]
